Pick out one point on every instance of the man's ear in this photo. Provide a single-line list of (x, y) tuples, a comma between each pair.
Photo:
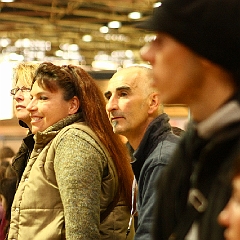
[(154, 103), (74, 105)]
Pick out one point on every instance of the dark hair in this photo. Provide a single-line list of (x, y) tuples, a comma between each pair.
[(8, 189), (236, 167), (10, 172), (52, 77), (3, 170), (74, 81), (6, 152)]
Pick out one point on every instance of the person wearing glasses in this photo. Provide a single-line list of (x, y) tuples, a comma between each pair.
[(23, 77), (77, 183)]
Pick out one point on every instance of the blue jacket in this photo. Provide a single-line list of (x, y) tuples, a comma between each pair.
[(152, 156)]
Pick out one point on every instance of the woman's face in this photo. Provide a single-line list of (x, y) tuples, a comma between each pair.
[(230, 216), (47, 108), (21, 96)]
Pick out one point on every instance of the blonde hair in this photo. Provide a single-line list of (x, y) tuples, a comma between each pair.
[(25, 73)]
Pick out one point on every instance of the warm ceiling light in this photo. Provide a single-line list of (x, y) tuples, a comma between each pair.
[(64, 46), (7, 1), (104, 29), (73, 47), (104, 65), (4, 42), (129, 54), (87, 38), (59, 53), (134, 15), (114, 24), (157, 4)]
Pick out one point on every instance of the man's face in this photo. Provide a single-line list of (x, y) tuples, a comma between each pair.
[(127, 103), (177, 70)]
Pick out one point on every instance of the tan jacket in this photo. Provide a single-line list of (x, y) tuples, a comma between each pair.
[(69, 180)]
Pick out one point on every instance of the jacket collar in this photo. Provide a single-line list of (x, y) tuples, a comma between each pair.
[(48, 134), (156, 132), (226, 115)]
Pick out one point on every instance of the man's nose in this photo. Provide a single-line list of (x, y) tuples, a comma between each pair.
[(111, 104)]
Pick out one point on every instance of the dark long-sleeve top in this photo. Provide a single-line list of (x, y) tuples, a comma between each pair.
[(203, 160)]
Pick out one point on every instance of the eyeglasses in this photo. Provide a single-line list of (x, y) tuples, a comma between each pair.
[(22, 89)]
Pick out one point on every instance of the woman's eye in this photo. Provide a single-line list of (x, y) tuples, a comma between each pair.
[(43, 98)]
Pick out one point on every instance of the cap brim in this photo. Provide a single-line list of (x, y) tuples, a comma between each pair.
[(148, 24), (159, 21)]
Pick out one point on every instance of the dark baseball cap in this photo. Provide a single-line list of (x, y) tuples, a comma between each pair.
[(210, 28)]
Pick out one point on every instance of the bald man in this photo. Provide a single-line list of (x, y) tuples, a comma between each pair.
[(134, 110)]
